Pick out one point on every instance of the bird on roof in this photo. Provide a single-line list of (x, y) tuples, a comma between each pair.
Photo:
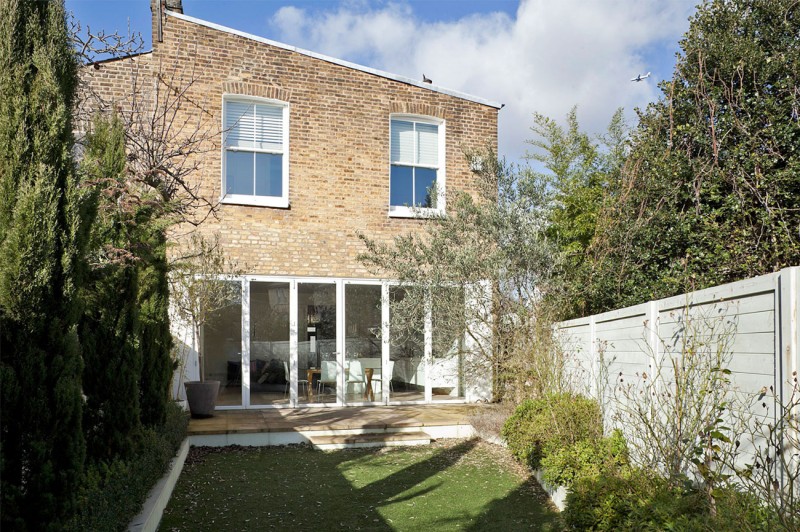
[(641, 77), (426, 79)]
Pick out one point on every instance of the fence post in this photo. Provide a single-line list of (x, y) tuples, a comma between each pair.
[(788, 353), (653, 341), (594, 360)]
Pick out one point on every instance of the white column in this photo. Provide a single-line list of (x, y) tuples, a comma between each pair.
[(293, 343), (340, 343), (245, 342), (385, 343), (428, 352)]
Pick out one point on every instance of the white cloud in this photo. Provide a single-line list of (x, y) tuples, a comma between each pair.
[(551, 55)]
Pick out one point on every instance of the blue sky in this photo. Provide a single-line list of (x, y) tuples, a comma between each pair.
[(532, 55)]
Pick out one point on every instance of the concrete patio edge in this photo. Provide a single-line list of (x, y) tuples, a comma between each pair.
[(149, 518)]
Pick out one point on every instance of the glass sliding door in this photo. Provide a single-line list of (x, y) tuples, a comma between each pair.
[(269, 343), (363, 364), (222, 344), (447, 341), (407, 343), (316, 343)]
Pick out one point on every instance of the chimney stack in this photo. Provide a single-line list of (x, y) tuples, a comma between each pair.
[(175, 5), (159, 9)]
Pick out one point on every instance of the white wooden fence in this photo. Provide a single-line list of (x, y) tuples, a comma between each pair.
[(759, 315)]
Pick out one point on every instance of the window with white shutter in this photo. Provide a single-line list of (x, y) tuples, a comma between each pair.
[(416, 186), (255, 162)]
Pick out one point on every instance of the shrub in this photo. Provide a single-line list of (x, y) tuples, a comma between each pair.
[(633, 500), (585, 459), (113, 493), (551, 422)]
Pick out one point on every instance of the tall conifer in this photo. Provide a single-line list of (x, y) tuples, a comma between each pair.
[(109, 328), (42, 237)]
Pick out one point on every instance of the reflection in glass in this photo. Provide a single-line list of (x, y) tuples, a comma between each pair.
[(239, 172), (407, 343), (269, 174), (222, 347), (269, 343), (316, 340), (448, 323), (402, 186), (363, 343), (425, 187)]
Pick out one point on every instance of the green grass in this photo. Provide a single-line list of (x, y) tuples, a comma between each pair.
[(449, 485)]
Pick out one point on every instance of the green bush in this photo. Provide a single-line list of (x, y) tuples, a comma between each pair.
[(113, 493), (549, 423), (585, 459), (633, 500)]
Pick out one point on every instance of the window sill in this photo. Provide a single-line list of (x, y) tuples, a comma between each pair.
[(255, 201), (414, 212)]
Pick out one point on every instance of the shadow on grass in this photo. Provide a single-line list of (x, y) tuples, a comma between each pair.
[(443, 488)]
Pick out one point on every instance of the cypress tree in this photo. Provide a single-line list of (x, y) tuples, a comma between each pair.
[(42, 237), (109, 329), (156, 339), (126, 328)]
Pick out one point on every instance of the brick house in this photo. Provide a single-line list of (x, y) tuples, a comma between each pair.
[(308, 152)]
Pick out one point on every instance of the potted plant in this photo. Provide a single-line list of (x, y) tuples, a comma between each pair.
[(201, 284)]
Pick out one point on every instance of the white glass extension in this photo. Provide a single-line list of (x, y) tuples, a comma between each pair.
[(289, 342)]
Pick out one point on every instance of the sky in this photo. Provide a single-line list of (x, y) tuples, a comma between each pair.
[(542, 56)]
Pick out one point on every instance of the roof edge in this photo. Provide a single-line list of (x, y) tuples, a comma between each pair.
[(340, 62), (117, 58)]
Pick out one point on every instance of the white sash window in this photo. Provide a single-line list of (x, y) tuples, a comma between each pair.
[(255, 163), (417, 166)]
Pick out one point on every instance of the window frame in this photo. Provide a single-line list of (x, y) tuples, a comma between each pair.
[(281, 201), (402, 211)]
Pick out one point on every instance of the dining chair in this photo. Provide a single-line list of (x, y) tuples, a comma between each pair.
[(377, 377), (327, 377), (355, 376), (304, 382)]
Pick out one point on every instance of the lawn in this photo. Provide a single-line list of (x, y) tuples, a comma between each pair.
[(448, 485)]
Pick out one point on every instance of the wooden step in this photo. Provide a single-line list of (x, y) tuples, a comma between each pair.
[(369, 439)]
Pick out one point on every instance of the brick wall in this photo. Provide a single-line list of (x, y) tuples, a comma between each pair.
[(338, 138)]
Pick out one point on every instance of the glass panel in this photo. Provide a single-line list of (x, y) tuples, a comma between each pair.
[(362, 304), (402, 192), (222, 346), (269, 343), (407, 345), (239, 172), (269, 174), (316, 341), (425, 187), (447, 358)]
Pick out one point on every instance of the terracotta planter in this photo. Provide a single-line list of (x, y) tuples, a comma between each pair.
[(202, 397)]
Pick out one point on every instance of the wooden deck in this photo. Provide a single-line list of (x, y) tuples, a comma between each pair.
[(335, 420)]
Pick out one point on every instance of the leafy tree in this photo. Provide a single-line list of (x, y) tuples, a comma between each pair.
[(711, 189), (42, 239), (581, 174), (202, 283), (490, 252)]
